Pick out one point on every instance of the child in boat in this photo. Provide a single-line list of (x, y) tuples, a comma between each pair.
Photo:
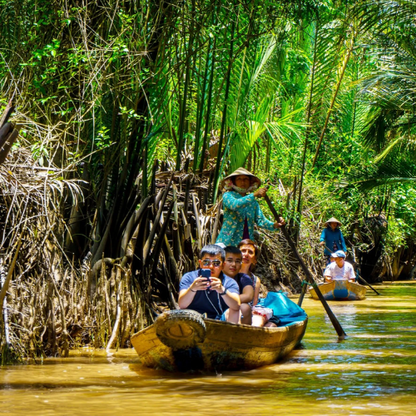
[(332, 238), (211, 295), (339, 269), (232, 267)]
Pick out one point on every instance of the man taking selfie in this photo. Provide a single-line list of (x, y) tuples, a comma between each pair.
[(208, 290)]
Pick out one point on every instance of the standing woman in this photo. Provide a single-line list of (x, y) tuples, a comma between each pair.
[(241, 210), (332, 238)]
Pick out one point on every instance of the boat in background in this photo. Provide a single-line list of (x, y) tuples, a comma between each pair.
[(340, 290), (182, 340)]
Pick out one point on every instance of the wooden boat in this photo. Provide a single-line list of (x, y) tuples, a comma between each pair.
[(184, 341), (340, 290)]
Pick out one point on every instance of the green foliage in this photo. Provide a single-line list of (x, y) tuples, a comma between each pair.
[(123, 84)]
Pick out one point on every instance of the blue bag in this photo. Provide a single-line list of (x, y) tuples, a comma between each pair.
[(285, 309)]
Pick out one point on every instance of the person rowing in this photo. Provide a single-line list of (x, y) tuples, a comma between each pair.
[(241, 210), (332, 239)]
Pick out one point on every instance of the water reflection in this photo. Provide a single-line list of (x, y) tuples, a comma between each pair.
[(372, 372)]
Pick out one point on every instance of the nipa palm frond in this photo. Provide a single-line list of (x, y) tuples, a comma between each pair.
[(393, 170)]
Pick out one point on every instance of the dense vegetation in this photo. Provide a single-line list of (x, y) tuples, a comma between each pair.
[(317, 97)]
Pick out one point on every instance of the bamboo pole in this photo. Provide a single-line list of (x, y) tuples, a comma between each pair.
[(368, 284), (309, 277)]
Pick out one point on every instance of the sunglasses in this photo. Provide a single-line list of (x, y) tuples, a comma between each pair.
[(208, 263)]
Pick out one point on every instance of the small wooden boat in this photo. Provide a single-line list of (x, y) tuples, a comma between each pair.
[(340, 290), (183, 340)]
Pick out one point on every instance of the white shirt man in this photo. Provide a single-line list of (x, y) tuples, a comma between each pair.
[(339, 269)]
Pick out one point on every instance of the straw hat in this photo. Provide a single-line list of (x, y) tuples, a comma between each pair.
[(333, 219), (255, 181)]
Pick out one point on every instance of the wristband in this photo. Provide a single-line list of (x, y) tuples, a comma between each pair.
[(224, 293), (193, 290)]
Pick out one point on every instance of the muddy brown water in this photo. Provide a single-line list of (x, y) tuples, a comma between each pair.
[(372, 372)]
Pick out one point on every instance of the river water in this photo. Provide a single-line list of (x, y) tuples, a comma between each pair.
[(372, 372)]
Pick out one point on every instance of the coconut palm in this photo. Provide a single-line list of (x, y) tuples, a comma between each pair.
[(390, 90)]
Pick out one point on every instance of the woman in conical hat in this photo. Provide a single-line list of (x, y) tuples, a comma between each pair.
[(333, 219), (241, 210), (332, 238)]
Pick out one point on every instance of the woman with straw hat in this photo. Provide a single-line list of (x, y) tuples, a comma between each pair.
[(332, 238), (241, 210)]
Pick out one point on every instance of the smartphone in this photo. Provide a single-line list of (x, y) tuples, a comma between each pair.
[(207, 274)]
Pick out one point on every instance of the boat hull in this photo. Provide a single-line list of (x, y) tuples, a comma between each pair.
[(227, 346), (340, 290)]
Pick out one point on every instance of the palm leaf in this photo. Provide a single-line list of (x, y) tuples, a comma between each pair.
[(393, 170)]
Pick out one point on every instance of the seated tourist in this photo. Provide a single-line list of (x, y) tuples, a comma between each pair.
[(214, 295), (260, 316), (250, 251), (232, 266), (339, 269)]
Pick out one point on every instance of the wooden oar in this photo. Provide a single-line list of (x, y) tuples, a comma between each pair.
[(362, 278), (341, 333), (302, 293), (368, 284)]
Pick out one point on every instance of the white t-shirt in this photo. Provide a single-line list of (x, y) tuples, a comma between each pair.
[(340, 273)]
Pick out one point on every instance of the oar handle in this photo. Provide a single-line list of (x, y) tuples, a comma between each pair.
[(341, 333)]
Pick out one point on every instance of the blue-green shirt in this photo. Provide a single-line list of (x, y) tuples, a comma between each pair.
[(236, 209), (334, 240)]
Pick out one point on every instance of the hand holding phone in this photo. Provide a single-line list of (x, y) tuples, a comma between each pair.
[(207, 274)]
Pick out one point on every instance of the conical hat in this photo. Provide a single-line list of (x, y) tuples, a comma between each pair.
[(241, 171), (333, 219)]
